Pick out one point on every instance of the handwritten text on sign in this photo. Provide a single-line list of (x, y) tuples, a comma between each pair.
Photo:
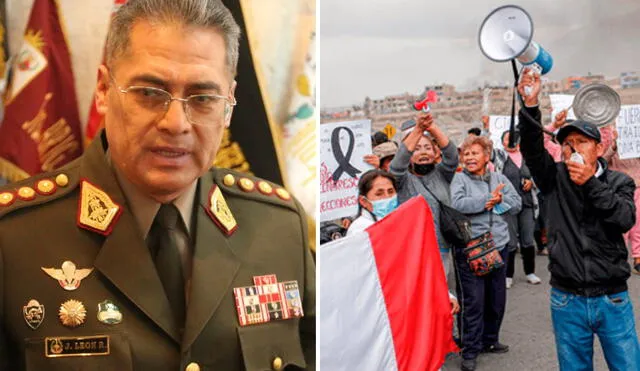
[(342, 148), (628, 125), (497, 126)]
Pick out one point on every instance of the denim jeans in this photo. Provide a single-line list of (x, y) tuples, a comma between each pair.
[(577, 318)]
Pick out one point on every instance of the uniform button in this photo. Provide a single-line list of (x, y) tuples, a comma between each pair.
[(62, 180), (277, 364), (229, 180), (193, 367)]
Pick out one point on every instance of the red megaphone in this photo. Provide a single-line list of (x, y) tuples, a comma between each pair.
[(423, 105)]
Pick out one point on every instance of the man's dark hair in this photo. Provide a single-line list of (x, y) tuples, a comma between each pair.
[(475, 131)]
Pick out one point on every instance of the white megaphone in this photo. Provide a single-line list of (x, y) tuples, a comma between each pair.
[(506, 34)]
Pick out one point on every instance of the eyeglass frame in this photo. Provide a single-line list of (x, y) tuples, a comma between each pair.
[(231, 102)]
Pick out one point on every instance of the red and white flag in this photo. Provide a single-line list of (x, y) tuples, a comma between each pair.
[(384, 302), (41, 128)]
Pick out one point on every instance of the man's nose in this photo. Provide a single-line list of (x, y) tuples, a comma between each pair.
[(175, 119)]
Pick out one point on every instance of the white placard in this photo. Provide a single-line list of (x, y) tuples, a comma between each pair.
[(339, 198), (560, 102), (497, 126), (628, 125)]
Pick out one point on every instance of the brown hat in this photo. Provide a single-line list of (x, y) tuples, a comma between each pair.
[(385, 149)]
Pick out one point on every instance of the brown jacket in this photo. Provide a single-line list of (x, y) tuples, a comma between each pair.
[(271, 238)]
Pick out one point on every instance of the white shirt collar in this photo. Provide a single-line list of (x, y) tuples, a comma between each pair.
[(600, 170)]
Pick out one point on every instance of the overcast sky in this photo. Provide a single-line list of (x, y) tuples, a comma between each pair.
[(383, 47)]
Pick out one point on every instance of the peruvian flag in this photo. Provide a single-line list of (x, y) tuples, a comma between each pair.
[(41, 128), (94, 122), (384, 302)]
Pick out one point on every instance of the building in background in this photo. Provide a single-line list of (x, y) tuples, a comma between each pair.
[(458, 111)]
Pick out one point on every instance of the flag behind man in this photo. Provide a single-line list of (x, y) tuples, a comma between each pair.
[(384, 298), (94, 121), (41, 128)]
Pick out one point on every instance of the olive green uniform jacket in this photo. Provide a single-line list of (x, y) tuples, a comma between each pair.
[(271, 238)]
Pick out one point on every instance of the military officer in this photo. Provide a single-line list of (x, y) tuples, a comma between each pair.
[(137, 256)]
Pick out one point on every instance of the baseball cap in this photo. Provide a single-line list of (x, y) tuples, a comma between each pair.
[(583, 127), (385, 150)]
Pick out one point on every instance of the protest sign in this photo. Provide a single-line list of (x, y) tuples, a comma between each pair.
[(497, 126), (628, 125), (342, 148)]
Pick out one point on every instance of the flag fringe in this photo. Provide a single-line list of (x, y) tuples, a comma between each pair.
[(11, 172)]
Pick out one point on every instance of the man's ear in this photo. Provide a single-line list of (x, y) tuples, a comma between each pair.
[(600, 149), (228, 108), (102, 88)]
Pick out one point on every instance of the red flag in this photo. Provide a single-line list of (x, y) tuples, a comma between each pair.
[(94, 122), (384, 298), (41, 129)]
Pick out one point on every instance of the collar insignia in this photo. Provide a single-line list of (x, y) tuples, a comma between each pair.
[(97, 212)]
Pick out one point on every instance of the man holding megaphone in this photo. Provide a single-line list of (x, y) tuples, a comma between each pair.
[(590, 208)]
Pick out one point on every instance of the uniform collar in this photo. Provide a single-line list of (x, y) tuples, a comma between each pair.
[(144, 208)]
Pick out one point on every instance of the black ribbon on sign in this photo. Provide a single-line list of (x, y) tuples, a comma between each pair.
[(344, 166)]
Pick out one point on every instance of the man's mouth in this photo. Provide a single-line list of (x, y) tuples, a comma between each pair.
[(171, 152)]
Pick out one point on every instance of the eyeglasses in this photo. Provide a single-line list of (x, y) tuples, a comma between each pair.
[(200, 109)]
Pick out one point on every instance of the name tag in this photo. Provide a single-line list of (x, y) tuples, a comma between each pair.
[(76, 346)]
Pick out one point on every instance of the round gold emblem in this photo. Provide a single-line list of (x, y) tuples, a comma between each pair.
[(45, 187), (229, 180), (6, 198), (72, 313), (265, 187), (62, 180), (26, 193), (247, 185), (283, 194)]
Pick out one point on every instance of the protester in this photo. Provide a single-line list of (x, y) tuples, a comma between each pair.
[(377, 197), (484, 196), (554, 149), (589, 208), (522, 225), (417, 174), (475, 131), (630, 167)]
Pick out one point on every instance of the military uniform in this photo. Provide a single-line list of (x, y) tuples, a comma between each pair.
[(63, 216)]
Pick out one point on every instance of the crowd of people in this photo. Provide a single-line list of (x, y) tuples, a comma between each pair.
[(530, 196)]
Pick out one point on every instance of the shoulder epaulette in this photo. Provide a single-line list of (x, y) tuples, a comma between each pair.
[(247, 186), (37, 190)]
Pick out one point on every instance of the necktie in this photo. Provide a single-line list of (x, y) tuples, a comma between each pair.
[(166, 256)]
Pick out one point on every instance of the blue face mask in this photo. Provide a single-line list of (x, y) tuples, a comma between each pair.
[(382, 208), (501, 208)]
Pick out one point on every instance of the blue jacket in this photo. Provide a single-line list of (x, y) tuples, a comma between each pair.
[(469, 194)]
